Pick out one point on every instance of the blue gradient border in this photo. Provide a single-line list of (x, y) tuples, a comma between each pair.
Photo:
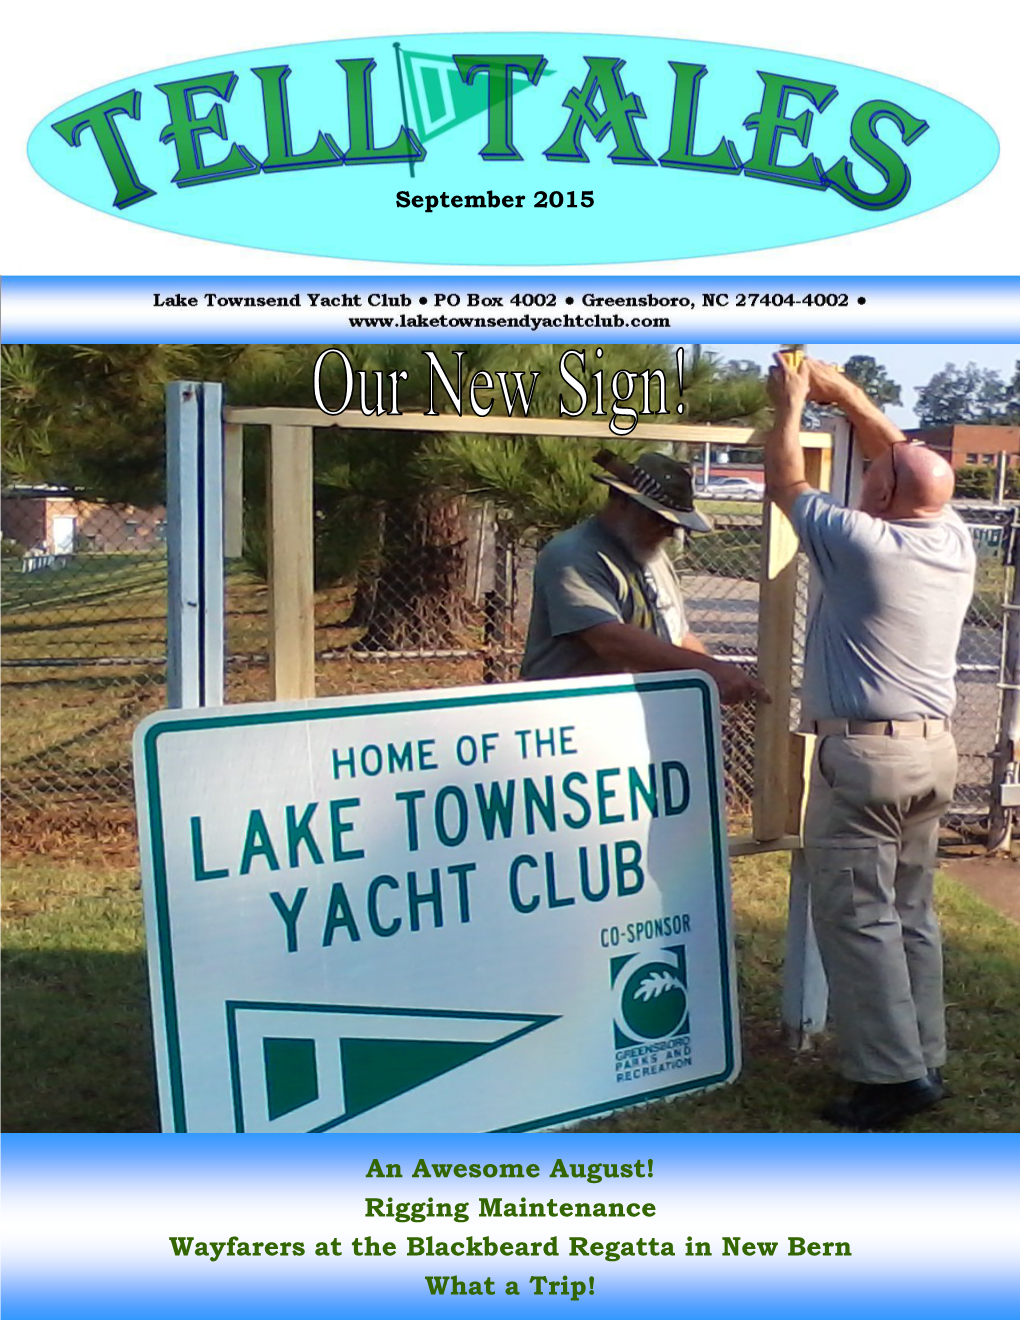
[(921, 1183), (895, 309)]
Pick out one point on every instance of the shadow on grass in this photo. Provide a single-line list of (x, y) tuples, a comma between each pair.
[(89, 623), (779, 1090), (78, 1054), (77, 1043)]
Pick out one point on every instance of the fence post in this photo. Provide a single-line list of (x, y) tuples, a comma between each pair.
[(195, 583), (805, 996), (1001, 467), (1005, 787), (497, 607), (291, 563), (476, 553), (847, 464), (233, 490), (776, 614)]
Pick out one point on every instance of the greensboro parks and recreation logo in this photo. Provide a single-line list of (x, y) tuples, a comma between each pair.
[(651, 1018)]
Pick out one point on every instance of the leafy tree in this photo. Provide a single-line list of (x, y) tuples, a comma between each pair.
[(1011, 399), (969, 395), (91, 416), (545, 484), (718, 393), (974, 482), (873, 379), (378, 522), (389, 505), (743, 367), (864, 371)]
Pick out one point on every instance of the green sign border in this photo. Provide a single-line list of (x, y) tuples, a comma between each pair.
[(173, 723)]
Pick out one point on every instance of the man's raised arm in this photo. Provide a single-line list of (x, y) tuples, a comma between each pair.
[(788, 389), (872, 429)]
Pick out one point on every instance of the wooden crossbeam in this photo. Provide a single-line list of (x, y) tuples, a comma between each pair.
[(585, 429)]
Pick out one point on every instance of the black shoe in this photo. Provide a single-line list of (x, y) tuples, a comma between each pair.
[(871, 1106)]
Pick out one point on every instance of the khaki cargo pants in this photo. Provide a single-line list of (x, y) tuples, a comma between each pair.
[(870, 837)]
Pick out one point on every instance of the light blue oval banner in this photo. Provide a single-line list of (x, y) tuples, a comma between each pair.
[(513, 149)]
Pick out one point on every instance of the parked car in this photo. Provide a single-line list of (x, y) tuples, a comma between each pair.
[(733, 488)]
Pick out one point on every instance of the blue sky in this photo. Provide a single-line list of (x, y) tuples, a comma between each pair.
[(910, 365)]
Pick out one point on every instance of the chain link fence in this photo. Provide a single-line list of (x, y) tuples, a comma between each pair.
[(84, 656), (980, 658), (85, 640)]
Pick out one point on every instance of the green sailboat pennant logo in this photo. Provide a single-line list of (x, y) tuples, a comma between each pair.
[(440, 98), (313, 1067)]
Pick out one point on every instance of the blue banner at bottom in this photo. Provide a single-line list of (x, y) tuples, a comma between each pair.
[(113, 1226)]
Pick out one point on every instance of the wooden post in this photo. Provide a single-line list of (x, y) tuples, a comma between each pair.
[(779, 754), (777, 605), (194, 544), (291, 581), (233, 490)]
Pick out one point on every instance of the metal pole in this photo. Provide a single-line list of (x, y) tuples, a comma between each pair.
[(805, 999), (195, 582), (1005, 772), (1001, 464), (497, 608), (482, 517)]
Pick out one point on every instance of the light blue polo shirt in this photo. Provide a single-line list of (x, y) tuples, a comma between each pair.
[(885, 627)]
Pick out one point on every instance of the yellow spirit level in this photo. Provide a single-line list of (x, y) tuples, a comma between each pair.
[(793, 357)]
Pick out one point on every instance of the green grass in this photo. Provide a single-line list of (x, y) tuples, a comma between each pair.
[(85, 579), (68, 724), (77, 1040), (989, 590), (103, 605), (77, 1047)]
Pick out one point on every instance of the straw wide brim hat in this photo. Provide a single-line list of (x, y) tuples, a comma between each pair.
[(657, 482)]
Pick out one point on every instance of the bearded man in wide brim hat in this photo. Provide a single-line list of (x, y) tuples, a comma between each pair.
[(606, 598)]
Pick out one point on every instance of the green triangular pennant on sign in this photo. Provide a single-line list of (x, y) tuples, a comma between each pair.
[(292, 1079), (377, 1070), (313, 1067), (440, 99)]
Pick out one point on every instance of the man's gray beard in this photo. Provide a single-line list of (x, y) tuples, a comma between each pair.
[(640, 551)]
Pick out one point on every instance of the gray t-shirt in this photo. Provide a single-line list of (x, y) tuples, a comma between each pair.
[(585, 577), (885, 627)]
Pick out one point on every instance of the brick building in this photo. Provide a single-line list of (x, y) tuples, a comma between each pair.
[(974, 445), (51, 521)]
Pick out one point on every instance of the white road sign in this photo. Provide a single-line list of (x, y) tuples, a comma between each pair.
[(474, 909)]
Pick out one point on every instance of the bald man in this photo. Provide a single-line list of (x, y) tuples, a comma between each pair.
[(895, 577)]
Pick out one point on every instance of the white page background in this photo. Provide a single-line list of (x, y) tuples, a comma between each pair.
[(58, 51)]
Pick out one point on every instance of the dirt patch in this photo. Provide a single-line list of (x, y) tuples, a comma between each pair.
[(996, 880)]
